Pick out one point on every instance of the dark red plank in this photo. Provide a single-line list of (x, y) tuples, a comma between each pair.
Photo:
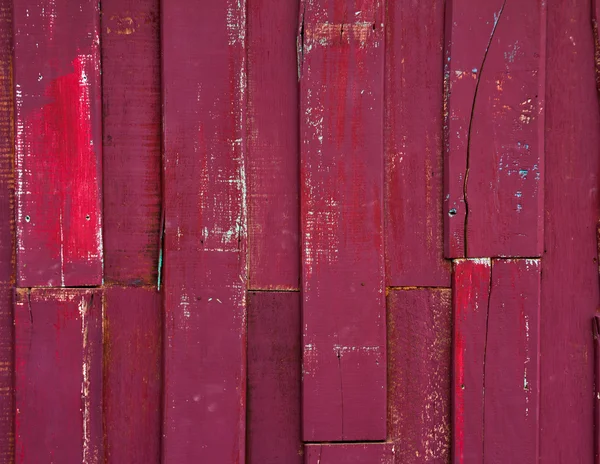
[(132, 374), (274, 362), (341, 51), (58, 376), (131, 140), (353, 453), (273, 147), (413, 144), (419, 374), (58, 143), (205, 231), (495, 80), (596, 333)]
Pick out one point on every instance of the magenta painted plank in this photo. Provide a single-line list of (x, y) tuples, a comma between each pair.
[(349, 453), (494, 163), (273, 146), (58, 143), (58, 375), (131, 140), (341, 53), (132, 374), (414, 238), (596, 334), (274, 357), (205, 231), (419, 374)]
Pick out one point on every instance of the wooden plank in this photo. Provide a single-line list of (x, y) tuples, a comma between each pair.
[(349, 453), (131, 140), (58, 143), (494, 163), (58, 375), (413, 144), (274, 357), (132, 374), (341, 128), (205, 231), (419, 374), (570, 292), (596, 334), (273, 146)]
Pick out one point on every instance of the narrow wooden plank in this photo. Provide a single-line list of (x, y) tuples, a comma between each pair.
[(419, 374), (58, 375), (413, 144), (274, 362), (349, 453), (132, 374), (570, 292), (131, 140), (494, 163), (205, 231), (273, 146), (596, 333), (344, 383), (58, 143)]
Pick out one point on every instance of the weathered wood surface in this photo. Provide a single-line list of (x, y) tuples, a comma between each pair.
[(341, 53), (58, 143), (350, 453), (58, 376), (273, 146), (414, 76), (205, 231), (131, 140), (494, 163)]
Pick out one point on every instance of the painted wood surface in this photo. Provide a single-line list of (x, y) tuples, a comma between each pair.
[(58, 143), (274, 365), (341, 127), (131, 140), (419, 374), (205, 231), (273, 145), (413, 144), (494, 163), (132, 374), (596, 335), (58, 375), (350, 453)]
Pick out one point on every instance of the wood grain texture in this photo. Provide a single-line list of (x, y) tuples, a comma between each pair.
[(132, 374), (341, 53), (419, 374), (58, 143), (414, 238), (570, 291), (131, 140), (349, 453), (494, 163), (274, 383), (58, 375), (273, 146), (205, 231)]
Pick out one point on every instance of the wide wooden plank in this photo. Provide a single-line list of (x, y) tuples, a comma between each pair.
[(341, 53), (205, 231), (58, 375), (494, 163), (274, 363), (132, 374), (273, 146), (58, 142), (131, 140), (419, 374), (351, 453), (413, 144), (570, 291)]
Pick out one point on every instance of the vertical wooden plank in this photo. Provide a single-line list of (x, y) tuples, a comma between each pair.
[(131, 140), (58, 143), (58, 375), (349, 453), (274, 357), (419, 374), (132, 374), (413, 144), (494, 163), (344, 376), (205, 231), (273, 147)]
